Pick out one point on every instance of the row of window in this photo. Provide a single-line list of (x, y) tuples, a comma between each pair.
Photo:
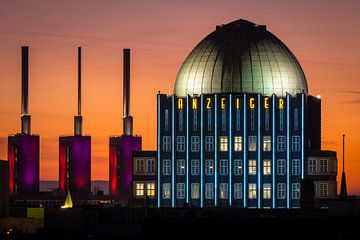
[(140, 189), (144, 166), (224, 167), (209, 143), (237, 191), (313, 166)]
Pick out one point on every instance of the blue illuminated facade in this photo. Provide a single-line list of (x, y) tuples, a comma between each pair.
[(234, 149)]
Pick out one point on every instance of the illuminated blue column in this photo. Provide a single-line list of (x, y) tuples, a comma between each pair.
[(244, 152), (273, 151), (230, 149), (302, 136), (187, 149), (158, 151), (173, 152), (216, 154), (288, 150), (202, 153), (259, 153)]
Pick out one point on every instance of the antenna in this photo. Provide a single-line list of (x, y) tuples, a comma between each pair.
[(343, 190), (78, 118)]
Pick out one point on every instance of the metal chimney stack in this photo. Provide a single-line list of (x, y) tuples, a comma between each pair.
[(127, 119), (78, 118), (25, 117)]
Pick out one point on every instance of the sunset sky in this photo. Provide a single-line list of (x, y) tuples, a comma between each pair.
[(323, 35)]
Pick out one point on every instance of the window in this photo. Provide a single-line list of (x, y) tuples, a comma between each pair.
[(180, 167), (238, 190), (223, 143), (180, 193), (223, 191), (296, 167), (238, 124), (224, 169), (237, 143), (281, 120), (252, 167), (252, 143), (223, 120), (180, 144), (312, 166), (252, 191), (324, 166), (281, 167), (281, 143), (296, 119), (267, 167), (150, 189), (209, 191), (166, 190), (323, 190), (181, 120), (166, 120), (166, 167), (139, 189), (195, 123), (195, 190), (295, 190), (195, 167), (209, 143), (296, 143), (195, 143), (139, 168), (166, 144), (209, 119), (280, 191), (266, 191), (150, 166), (267, 143), (266, 119), (237, 167), (252, 120), (209, 167)]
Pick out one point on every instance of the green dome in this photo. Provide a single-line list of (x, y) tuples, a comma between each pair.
[(240, 57)]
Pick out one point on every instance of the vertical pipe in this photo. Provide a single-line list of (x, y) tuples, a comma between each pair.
[(24, 79), (343, 157), (126, 82), (79, 81)]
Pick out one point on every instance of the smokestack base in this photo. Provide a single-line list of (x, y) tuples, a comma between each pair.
[(77, 125), (128, 126), (26, 124)]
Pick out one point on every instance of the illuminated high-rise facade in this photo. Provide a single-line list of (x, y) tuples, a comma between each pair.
[(238, 129)]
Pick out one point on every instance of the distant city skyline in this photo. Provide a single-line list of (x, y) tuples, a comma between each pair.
[(323, 37)]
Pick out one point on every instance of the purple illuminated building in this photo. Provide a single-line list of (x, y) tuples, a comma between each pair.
[(122, 147), (75, 154), (24, 148)]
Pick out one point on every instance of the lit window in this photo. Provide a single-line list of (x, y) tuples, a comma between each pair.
[(166, 190), (195, 190), (209, 167), (312, 166), (267, 143), (180, 144), (180, 167), (223, 191), (281, 167), (195, 167), (238, 190), (324, 166), (209, 191), (195, 143), (267, 167), (150, 166), (224, 170), (266, 191), (252, 143), (323, 190), (139, 189), (252, 167), (237, 143), (281, 191), (295, 167), (281, 143), (166, 167), (296, 143), (237, 167), (252, 191), (150, 189), (295, 190), (180, 193), (209, 143), (166, 143), (223, 143), (139, 168)]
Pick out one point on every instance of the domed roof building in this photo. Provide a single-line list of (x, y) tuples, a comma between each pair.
[(240, 57)]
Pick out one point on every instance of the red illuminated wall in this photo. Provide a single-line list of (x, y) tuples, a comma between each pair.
[(11, 158), (113, 171), (62, 168)]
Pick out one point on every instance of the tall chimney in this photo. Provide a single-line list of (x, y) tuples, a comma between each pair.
[(78, 118), (127, 119), (25, 117)]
